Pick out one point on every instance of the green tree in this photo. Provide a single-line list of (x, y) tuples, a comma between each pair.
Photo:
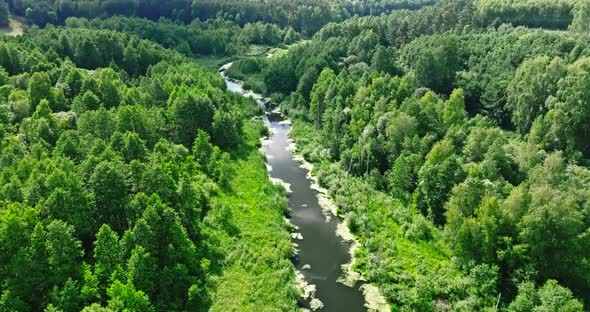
[(133, 147), (86, 54), (86, 102), (125, 298), (550, 297), (107, 253), (581, 21), (437, 68), (160, 232), (188, 113), (436, 178), (39, 88), (403, 176), (226, 129), (66, 299), (73, 81), (11, 302), (64, 252), (203, 150), (307, 81), (384, 60), (3, 76), (58, 100), (291, 36), (99, 123), (535, 80), (110, 94), (109, 186), (279, 76), (454, 110), (142, 270), (318, 104), (550, 233), (69, 201)]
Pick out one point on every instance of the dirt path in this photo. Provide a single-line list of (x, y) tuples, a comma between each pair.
[(15, 27)]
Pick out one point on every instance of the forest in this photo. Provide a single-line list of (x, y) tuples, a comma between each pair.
[(118, 161), (468, 144), (451, 135)]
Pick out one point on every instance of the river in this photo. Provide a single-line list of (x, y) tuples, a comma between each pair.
[(321, 252)]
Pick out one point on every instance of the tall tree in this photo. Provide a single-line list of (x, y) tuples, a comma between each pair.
[(535, 80), (39, 88), (107, 253), (64, 251), (454, 110), (109, 185), (318, 104), (188, 113)]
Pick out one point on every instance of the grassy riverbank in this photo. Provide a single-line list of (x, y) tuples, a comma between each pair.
[(400, 251), (257, 274)]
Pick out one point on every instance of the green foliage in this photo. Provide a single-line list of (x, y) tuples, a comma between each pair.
[(392, 152), (39, 88), (537, 13), (124, 297), (550, 297), (148, 194), (248, 219), (581, 20), (201, 37), (107, 254), (110, 189), (317, 105), (440, 171), (99, 209), (454, 111), (189, 112), (535, 81), (436, 68)]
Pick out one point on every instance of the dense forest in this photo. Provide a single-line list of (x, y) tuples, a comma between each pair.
[(460, 146), (451, 135), (118, 161), (304, 15), (537, 13)]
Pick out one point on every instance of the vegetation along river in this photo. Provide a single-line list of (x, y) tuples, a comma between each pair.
[(321, 252)]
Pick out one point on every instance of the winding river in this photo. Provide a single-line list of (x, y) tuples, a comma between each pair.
[(321, 252)]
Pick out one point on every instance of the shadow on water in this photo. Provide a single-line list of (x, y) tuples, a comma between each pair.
[(321, 252)]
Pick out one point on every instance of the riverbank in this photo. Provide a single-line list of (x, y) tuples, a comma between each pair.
[(374, 299), (398, 252), (321, 241), (248, 221)]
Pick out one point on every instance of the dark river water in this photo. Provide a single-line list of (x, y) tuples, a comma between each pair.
[(321, 252)]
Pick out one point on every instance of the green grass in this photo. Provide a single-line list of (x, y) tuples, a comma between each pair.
[(258, 50), (213, 62), (257, 274), (280, 51)]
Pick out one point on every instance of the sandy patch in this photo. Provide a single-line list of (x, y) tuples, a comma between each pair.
[(316, 304), (282, 183), (375, 302), (297, 236)]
